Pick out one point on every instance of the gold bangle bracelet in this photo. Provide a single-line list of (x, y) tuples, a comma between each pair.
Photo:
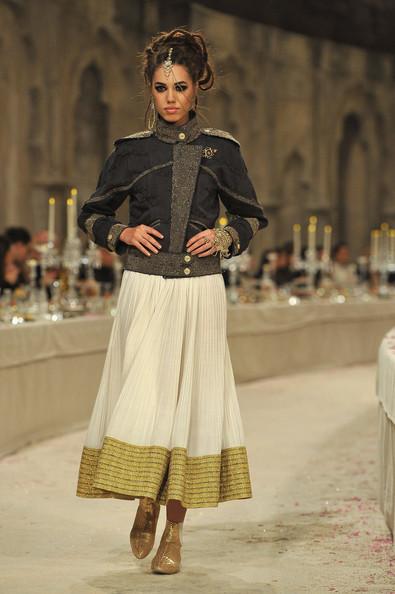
[(222, 241)]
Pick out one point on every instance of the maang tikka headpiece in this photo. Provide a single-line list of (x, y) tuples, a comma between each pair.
[(167, 64)]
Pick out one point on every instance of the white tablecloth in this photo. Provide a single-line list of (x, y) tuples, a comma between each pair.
[(49, 374), (50, 371), (385, 378), (267, 340), (385, 389)]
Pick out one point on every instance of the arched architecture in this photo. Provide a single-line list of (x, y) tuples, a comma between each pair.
[(315, 118), (359, 166), (292, 193), (90, 129)]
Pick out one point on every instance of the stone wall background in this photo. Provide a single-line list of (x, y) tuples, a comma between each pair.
[(315, 118)]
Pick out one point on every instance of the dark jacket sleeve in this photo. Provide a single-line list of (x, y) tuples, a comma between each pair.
[(245, 213), (97, 215)]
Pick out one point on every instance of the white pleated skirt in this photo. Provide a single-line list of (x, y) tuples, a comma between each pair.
[(166, 421)]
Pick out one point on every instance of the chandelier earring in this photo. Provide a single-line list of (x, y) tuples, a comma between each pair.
[(152, 115)]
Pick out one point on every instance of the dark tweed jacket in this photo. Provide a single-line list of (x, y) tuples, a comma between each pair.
[(174, 177)]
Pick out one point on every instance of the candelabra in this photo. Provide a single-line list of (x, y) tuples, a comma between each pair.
[(37, 302), (50, 263), (267, 285), (235, 266), (382, 257), (71, 262), (91, 259), (312, 264), (49, 257), (232, 266)]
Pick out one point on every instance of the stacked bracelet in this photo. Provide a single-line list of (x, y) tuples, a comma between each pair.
[(222, 241)]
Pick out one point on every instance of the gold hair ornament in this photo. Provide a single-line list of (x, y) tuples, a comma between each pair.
[(167, 64)]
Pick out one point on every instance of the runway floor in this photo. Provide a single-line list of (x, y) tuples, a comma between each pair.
[(312, 526)]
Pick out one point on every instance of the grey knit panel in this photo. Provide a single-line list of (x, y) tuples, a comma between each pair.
[(90, 221), (235, 247), (113, 235), (254, 224), (186, 163)]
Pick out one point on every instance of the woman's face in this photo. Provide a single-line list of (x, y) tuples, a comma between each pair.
[(174, 95)]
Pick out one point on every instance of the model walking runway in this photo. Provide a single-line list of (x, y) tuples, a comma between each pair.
[(166, 425)]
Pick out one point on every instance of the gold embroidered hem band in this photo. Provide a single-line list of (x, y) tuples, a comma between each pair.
[(126, 471)]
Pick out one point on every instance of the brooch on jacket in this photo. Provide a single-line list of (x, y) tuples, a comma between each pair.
[(209, 152)]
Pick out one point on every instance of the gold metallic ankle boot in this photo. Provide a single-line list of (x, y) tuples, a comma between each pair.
[(142, 534), (168, 555)]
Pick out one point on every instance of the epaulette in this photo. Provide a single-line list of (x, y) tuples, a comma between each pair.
[(142, 134), (221, 133)]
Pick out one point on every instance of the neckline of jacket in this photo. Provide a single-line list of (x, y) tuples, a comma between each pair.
[(171, 133)]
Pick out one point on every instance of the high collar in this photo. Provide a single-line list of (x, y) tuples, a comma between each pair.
[(171, 133)]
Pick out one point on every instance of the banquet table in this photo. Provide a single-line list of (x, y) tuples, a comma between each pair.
[(385, 390), (268, 340), (50, 371)]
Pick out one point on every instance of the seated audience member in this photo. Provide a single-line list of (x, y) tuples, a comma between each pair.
[(103, 271), (264, 259), (362, 268), (38, 246), (20, 243), (344, 271), (11, 275), (319, 251), (20, 246), (281, 260), (283, 274), (105, 274), (40, 241)]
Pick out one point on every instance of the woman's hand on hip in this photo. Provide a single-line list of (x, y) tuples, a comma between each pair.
[(201, 244), (141, 236)]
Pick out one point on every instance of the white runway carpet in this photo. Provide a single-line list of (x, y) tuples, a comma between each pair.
[(312, 526)]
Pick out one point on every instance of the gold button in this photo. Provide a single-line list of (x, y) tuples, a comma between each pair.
[(181, 136), (187, 258), (187, 270)]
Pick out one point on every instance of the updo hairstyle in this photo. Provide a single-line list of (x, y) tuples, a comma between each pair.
[(189, 50)]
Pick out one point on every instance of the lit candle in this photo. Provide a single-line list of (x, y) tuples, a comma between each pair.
[(374, 243), (297, 241), (74, 196), (311, 240), (32, 265), (51, 219), (391, 256), (312, 237), (70, 219), (384, 244), (327, 243)]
